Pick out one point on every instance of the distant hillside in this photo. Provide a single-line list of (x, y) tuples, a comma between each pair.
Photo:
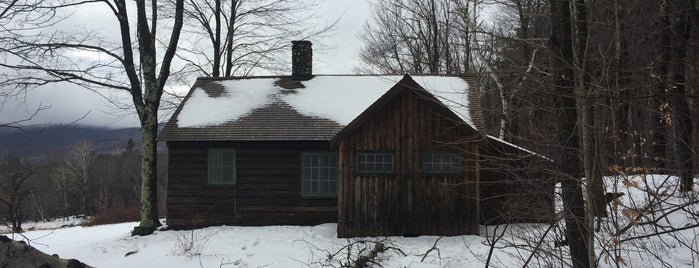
[(35, 141)]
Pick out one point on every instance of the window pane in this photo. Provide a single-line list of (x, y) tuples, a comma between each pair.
[(216, 175), (227, 156), (324, 173), (333, 187), (374, 162), (306, 186), (221, 166), (323, 161), (441, 163), (324, 186), (361, 166), (319, 174)]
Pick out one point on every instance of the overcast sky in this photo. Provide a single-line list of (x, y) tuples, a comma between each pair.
[(68, 103)]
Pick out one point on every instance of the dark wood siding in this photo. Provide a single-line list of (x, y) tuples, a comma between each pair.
[(409, 202), (515, 187), (267, 192)]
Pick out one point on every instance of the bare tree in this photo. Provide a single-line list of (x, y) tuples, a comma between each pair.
[(586, 98), (239, 37), (412, 36), (125, 65), (14, 189), (61, 178), (569, 161), (518, 59), (681, 17), (77, 166)]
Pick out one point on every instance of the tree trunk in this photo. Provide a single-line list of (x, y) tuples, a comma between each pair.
[(217, 39), (147, 104), (680, 17), (38, 207), (149, 185), (148, 115), (619, 102), (65, 199), (229, 37), (434, 36), (662, 130), (586, 102), (569, 164), (83, 187), (15, 218)]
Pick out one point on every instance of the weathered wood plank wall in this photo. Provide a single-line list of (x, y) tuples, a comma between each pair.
[(268, 189), (516, 188), (408, 202)]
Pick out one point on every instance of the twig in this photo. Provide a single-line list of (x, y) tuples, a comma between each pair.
[(434, 247)]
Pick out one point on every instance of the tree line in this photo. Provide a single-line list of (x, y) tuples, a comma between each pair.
[(102, 186)]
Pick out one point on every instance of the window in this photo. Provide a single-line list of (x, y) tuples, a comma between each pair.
[(374, 162), (222, 166), (319, 174), (441, 163)]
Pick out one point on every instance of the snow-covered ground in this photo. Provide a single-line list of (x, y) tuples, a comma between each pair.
[(652, 225), (46, 225), (303, 246), (233, 246)]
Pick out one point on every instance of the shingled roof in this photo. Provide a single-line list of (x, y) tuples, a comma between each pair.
[(279, 108)]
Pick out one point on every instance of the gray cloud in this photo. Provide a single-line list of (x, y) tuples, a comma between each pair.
[(67, 103)]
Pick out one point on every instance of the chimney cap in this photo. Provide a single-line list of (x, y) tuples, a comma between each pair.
[(301, 42)]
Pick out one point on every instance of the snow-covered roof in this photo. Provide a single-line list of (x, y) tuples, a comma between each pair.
[(518, 147), (277, 108), (239, 98)]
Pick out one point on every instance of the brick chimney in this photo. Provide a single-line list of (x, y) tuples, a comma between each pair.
[(301, 60)]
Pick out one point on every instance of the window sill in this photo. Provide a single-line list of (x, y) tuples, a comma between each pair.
[(318, 197), (221, 184)]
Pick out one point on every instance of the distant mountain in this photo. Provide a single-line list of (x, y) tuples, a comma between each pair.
[(35, 141)]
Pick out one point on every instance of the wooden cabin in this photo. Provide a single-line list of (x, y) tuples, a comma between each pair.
[(408, 166), (379, 155)]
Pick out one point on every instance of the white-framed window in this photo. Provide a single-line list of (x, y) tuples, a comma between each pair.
[(221, 166), (374, 162), (319, 174), (441, 163)]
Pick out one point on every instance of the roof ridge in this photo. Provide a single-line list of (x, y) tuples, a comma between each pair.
[(223, 78)]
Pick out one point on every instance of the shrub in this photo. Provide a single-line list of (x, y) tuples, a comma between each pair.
[(114, 214)]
